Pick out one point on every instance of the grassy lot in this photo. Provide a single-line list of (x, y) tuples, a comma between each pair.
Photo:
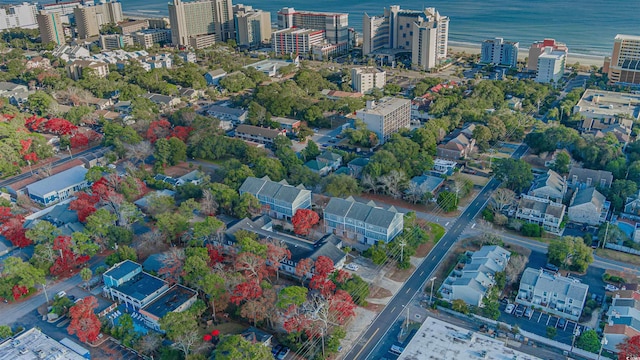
[(619, 256), (437, 232)]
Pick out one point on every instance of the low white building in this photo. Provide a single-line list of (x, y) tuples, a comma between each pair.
[(58, 187), (365, 79)]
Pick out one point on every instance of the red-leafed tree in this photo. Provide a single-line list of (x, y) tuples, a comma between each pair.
[(277, 252), (60, 126), (172, 265), (323, 266), (25, 144), (34, 122), (84, 205), (19, 291), (297, 323), (31, 157), (84, 322), (181, 132), (325, 286), (247, 290), (342, 276), (5, 214), (341, 306), (216, 256), (67, 259), (304, 220), (630, 348), (160, 129), (13, 230), (252, 266), (79, 140), (303, 269)]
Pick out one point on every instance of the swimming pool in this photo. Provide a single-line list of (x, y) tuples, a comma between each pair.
[(627, 228)]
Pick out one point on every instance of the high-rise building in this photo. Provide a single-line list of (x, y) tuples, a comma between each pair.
[(296, 41), (366, 79), (50, 26), (149, 37), (538, 47), (424, 33), (499, 52), (253, 27), (335, 25), (64, 9), (193, 19), (18, 16), (386, 117), (624, 65), (115, 41), (89, 19), (551, 65)]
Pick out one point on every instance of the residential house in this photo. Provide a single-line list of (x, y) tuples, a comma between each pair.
[(444, 167), (281, 199), (583, 178), (364, 222), (541, 211), (471, 283), (258, 134), (290, 125), (213, 77), (76, 69), (623, 318), (235, 115), (588, 206), (194, 177), (257, 336), (143, 203), (125, 282), (329, 246), (427, 184), (164, 102), (60, 216), (457, 148), (554, 293), (325, 163), (189, 93), (70, 53), (167, 179), (178, 298), (16, 93), (59, 186), (632, 205), (123, 107), (38, 62), (549, 186), (356, 166)]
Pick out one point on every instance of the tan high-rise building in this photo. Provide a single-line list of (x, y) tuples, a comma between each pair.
[(538, 48), (386, 117), (334, 25), (51, 30), (365, 79), (623, 67), (86, 22), (253, 27), (201, 17)]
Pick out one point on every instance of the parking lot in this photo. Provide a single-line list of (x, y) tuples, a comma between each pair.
[(538, 323)]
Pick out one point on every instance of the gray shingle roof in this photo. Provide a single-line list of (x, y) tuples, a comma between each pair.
[(589, 195), (280, 191), (59, 181), (367, 213), (595, 175), (257, 131)]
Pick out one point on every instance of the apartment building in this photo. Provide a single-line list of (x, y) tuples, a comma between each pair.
[(129, 27), (50, 26), (551, 186), (89, 19), (541, 211), (296, 41), (581, 178), (194, 19), (623, 67), (366, 223), (115, 41), (386, 117), (554, 293), (253, 27), (551, 64), (334, 25), (365, 79), (76, 68), (499, 52), (588, 206), (149, 37), (424, 33), (538, 48), (63, 8), (623, 318), (279, 198), (58, 187), (18, 16), (471, 283)]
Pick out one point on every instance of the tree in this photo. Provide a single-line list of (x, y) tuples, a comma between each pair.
[(5, 331), (40, 102), (561, 163), (323, 266), (172, 264), (292, 296), (340, 185), (448, 201), (182, 329), (212, 285), (502, 198), (460, 306), (483, 135), (515, 173), (84, 322), (589, 341), (303, 220), (630, 348), (86, 274), (303, 269), (357, 288), (570, 253), (123, 253), (277, 251), (233, 347), (551, 332), (311, 151)]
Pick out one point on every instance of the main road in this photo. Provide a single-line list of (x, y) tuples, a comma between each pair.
[(380, 326)]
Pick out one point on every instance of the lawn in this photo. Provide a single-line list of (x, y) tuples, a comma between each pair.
[(437, 232), (619, 256)]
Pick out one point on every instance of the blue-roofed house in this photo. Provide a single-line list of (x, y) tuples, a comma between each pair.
[(213, 77), (121, 273), (59, 186), (126, 283), (282, 199), (427, 184), (364, 222)]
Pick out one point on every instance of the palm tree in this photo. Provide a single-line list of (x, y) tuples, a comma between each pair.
[(86, 274)]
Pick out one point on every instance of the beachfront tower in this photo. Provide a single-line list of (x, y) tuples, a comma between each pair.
[(623, 67)]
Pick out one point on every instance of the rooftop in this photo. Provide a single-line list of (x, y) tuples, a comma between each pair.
[(451, 342), (34, 344), (367, 213), (225, 110), (258, 131), (58, 181), (264, 187), (170, 300), (589, 195), (600, 103), (386, 106), (141, 286), (122, 269), (563, 286)]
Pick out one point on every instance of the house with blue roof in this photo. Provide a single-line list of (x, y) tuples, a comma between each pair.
[(58, 187)]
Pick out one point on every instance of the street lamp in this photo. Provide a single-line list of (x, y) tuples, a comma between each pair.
[(44, 287), (576, 333), (603, 342), (433, 279)]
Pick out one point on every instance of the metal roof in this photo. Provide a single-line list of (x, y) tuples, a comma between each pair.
[(59, 181)]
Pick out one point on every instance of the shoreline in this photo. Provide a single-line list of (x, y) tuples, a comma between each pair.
[(572, 58)]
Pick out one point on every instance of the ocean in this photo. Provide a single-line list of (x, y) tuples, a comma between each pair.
[(586, 26)]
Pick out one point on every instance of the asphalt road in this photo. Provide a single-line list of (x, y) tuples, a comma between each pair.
[(378, 329), (92, 151)]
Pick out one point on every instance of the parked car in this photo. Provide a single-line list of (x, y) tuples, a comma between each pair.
[(61, 294), (519, 311), (561, 323), (610, 287), (551, 267), (352, 267), (283, 353), (72, 297), (276, 349), (509, 308), (528, 312)]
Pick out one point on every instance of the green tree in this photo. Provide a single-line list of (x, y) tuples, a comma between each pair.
[(311, 151), (551, 332), (270, 167), (22, 272), (82, 244), (86, 274), (123, 253), (43, 232), (235, 173), (357, 288), (376, 253), (233, 347), (213, 285), (570, 253), (483, 135), (5, 332), (292, 295), (448, 201), (99, 223), (589, 341), (340, 185), (516, 174), (460, 306), (182, 329), (209, 229), (40, 102), (561, 164), (246, 205)]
